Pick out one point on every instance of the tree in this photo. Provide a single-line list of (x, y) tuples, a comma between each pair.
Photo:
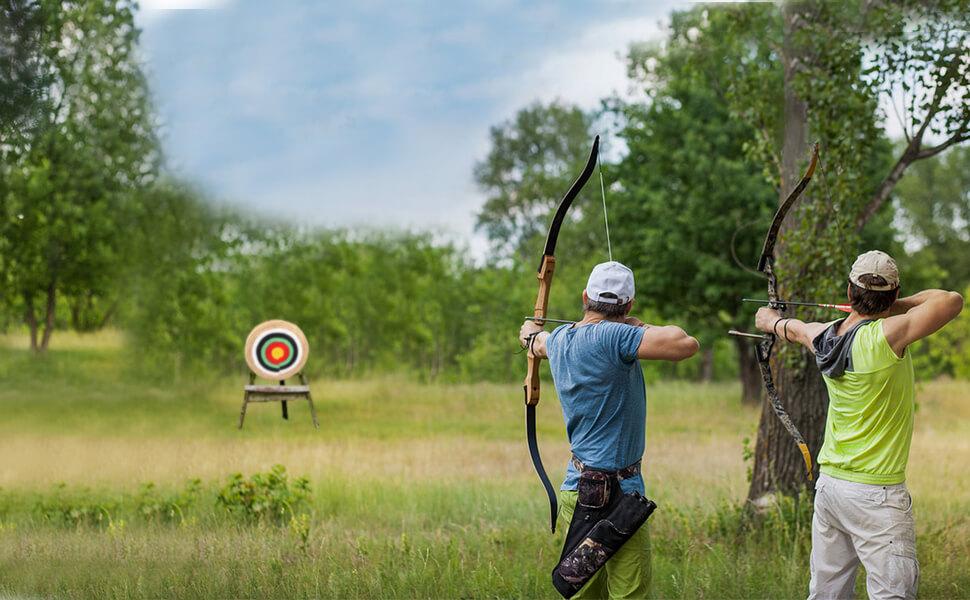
[(687, 187), (836, 60), (533, 159), (22, 77), (934, 208), (67, 183)]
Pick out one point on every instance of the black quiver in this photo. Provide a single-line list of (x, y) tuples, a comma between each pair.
[(603, 521)]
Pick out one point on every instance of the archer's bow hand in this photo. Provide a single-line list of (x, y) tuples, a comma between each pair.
[(765, 319), (528, 329)]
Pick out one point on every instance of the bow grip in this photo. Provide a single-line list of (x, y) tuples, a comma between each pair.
[(546, 269)]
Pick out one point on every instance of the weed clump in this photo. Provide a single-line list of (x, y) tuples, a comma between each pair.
[(265, 497), (155, 507)]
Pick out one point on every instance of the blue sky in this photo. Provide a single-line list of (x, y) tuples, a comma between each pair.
[(369, 113)]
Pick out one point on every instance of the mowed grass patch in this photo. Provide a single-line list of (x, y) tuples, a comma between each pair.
[(419, 490)]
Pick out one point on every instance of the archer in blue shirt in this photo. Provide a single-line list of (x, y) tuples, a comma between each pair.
[(595, 366)]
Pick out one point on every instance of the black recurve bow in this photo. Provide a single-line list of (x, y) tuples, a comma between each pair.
[(546, 268), (764, 347)]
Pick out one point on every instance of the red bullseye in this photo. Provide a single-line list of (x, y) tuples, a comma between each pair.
[(277, 353)]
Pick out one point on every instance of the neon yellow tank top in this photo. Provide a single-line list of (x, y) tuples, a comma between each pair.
[(870, 418)]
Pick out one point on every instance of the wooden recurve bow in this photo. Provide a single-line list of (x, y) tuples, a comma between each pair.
[(547, 267)]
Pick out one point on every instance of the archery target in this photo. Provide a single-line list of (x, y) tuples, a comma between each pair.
[(276, 350)]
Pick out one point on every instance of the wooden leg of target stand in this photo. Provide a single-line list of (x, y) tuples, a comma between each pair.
[(313, 411), (286, 415), (242, 412)]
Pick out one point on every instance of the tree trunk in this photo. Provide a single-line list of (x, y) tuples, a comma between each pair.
[(707, 364), (778, 464), (30, 318), (752, 390), (50, 309)]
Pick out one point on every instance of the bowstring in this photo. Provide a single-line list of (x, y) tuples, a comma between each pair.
[(606, 216), (828, 197)]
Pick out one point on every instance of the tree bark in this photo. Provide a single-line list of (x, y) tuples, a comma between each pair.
[(778, 464), (50, 309), (30, 318), (707, 365), (752, 391)]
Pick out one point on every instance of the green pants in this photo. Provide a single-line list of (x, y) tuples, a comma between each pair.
[(627, 573)]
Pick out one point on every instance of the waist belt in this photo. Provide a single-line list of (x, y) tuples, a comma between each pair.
[(626, 472)]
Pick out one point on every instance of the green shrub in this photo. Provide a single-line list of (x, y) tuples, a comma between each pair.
[(156, 507), (76, 509), (946, 352), (265, 497)]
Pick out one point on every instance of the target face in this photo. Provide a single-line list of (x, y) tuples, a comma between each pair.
[(276, 350)]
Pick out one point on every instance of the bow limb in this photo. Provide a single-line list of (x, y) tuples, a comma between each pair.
[(547, 267), (532, 389), (766, 266)]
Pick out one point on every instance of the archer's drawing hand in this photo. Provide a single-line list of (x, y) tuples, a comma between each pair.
[(766, 318), (527, 330), (634, 321)]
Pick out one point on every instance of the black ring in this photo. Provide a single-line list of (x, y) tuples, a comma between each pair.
[(269, 337)]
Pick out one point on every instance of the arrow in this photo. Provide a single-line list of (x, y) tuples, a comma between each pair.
[(843, 307), (550, 320)]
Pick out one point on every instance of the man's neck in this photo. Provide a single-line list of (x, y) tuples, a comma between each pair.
[(590, 317), (856, 317)]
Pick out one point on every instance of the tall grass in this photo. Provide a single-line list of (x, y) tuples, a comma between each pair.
[(416, 490)]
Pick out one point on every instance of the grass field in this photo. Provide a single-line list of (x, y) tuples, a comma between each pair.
[(417, 490)]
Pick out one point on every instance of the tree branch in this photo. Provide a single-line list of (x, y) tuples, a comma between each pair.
[(914, 150)]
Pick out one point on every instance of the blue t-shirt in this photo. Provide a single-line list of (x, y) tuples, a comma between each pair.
[(600, 386)]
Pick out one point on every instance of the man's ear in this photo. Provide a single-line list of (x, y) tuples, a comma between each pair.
[(585, 299), (629, 306), (848, 294)]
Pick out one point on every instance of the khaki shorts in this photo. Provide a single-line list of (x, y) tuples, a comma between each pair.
[(871, 525)]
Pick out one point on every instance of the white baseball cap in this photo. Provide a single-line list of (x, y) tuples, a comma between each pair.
[(610, 282), (876, 263)]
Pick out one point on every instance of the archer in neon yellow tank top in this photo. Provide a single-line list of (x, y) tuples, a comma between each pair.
[(862, 509), (869, 425)]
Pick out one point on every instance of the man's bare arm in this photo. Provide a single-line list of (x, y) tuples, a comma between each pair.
[(667, 342), (790, 330), (918, 316)]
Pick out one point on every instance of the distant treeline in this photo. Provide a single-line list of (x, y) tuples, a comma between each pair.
[(94, 231), (199, 278)]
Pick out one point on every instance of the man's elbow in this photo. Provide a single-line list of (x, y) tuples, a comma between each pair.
[(954, 302), (687, 347)]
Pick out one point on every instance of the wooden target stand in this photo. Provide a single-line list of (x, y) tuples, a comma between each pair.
[(277, 350)]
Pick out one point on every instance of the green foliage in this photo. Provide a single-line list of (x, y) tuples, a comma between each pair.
[(390, 302), (22, 78), (688, 189), (65, 184), (946, 352), (76, 508), (934, 204), (533, 160), (157, 507), (265, 497)]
